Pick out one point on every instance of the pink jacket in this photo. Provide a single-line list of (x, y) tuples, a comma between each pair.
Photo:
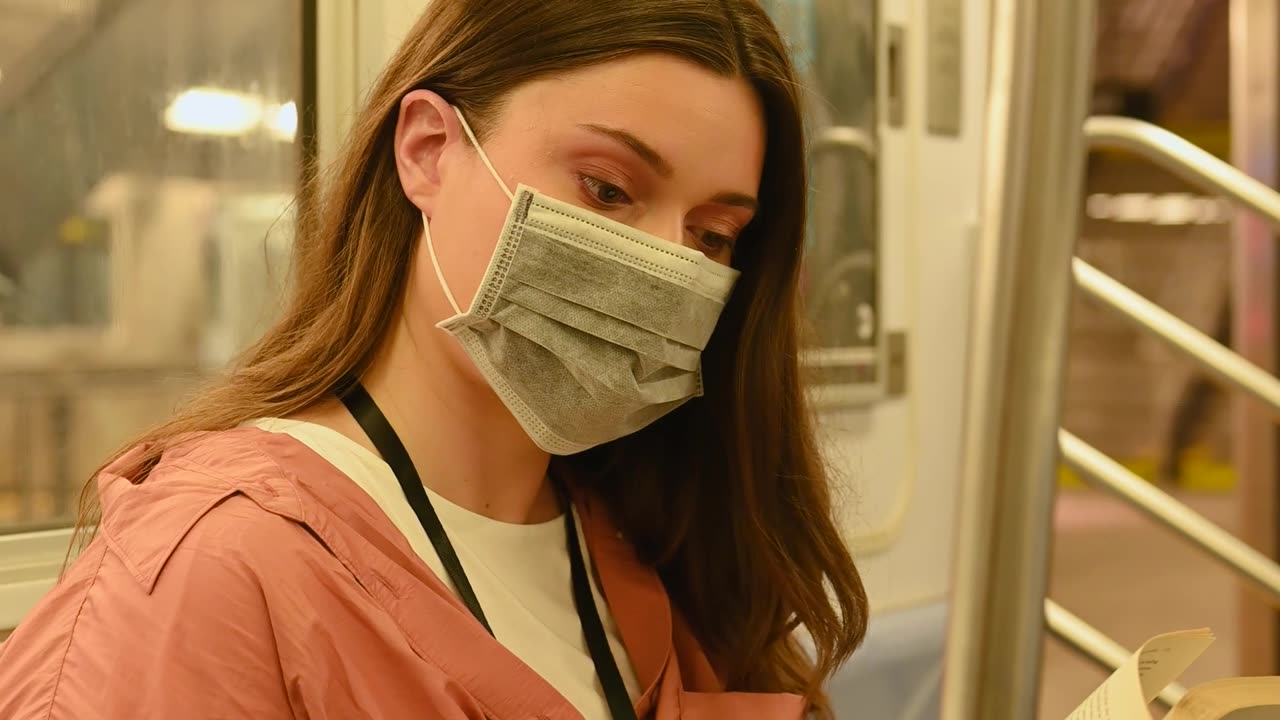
[(246, 577)]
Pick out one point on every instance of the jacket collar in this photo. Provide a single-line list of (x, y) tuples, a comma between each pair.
[(286, 478)]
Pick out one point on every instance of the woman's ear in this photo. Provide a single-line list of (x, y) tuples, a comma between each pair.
[(425, 128)]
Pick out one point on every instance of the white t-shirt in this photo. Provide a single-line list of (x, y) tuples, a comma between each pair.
[(520, 573)]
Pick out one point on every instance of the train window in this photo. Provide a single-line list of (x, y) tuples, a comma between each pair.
[(833, 43), (151, 155)]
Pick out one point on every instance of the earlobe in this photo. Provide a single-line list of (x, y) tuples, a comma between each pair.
[(424, 128)]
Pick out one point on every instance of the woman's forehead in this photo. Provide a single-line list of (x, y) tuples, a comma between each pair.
[(695, 118)]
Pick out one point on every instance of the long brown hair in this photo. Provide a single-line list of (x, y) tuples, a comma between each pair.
[(727, 497)]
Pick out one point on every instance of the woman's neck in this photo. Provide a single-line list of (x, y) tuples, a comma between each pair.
[(463, 441)]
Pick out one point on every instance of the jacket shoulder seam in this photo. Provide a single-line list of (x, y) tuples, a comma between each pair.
[(71, 636), (213, 472)]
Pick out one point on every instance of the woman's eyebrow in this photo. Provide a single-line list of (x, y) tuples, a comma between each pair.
[(660, 164), (635, 145), (736, 199)]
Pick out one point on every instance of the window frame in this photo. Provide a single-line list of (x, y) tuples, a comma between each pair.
[(32, 561)]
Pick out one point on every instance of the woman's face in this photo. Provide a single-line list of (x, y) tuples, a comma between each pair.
[(652, 141)]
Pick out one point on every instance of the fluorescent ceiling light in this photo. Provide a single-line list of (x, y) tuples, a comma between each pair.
[(209, 111), (282, 121)]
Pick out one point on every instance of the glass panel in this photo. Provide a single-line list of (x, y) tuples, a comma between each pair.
[(149, 157), (896, 673), (833, 43)]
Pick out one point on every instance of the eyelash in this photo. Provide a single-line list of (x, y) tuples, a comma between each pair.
[(716, 242), (592, 187)]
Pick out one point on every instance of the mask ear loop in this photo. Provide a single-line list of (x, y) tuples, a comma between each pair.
[(435, 263), (426, 225), (483, 156)]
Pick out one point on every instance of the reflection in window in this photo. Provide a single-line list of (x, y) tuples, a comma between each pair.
[(61, 283), (150, 158), (833, 45)]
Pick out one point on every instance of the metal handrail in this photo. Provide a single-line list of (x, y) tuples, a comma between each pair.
[(1185, 160), (1110, 475), (1092, 643), (1203, 169), (1208, 353), (843, 137), (1198, 167)]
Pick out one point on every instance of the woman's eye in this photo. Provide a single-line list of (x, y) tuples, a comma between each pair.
[(603, 193), (714, 243)]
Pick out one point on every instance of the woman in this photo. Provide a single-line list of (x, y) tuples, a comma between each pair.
[(530, 439)]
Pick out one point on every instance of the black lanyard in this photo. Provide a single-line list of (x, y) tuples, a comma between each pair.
[(385, 439)]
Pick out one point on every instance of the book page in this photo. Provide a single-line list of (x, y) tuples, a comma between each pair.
[(1126, 694), (1164, 657), (1261, 712), (1247, 698)]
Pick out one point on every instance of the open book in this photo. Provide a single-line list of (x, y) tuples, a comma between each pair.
[(1126, 694)]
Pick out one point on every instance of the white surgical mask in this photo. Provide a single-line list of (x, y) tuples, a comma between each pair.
[(587, 329)]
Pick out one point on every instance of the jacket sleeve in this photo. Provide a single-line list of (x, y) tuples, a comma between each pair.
[(198, 644)]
